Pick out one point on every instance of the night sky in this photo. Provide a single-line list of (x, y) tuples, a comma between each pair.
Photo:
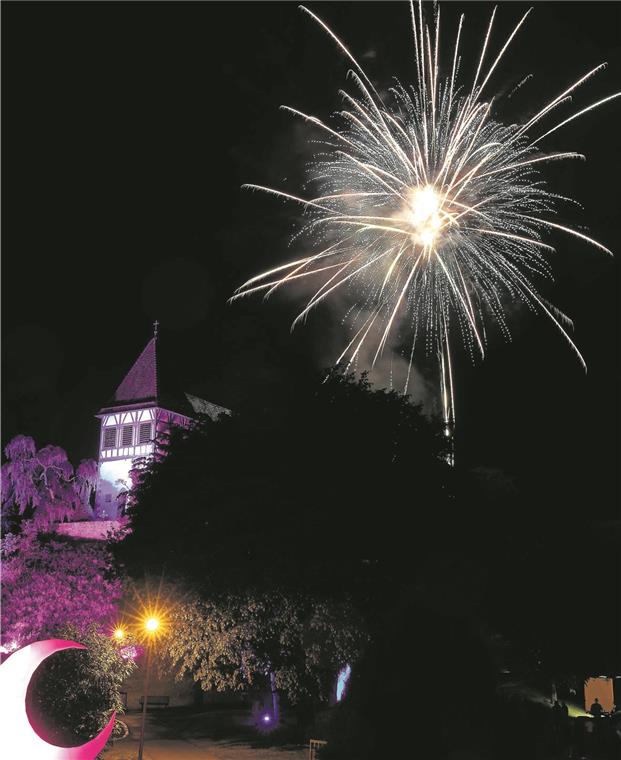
[(128, 131)]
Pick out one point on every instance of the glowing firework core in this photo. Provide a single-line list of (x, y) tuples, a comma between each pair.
[(424, 214)]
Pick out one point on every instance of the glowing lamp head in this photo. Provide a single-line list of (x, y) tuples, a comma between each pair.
[(267, 718), (152, 624), (119, 634)]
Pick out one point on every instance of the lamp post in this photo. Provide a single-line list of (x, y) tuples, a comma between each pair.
[(151, 625)]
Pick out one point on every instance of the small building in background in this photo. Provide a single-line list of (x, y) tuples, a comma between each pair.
[(146, 404)]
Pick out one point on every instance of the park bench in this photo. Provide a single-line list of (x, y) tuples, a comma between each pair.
[(314, 748), (155, 701)]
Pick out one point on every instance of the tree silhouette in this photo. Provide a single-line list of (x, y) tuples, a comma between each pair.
[(304, 487)]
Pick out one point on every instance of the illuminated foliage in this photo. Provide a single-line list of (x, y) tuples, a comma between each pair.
[(49, 581), (75, 691), (234, 642), (42, 483)]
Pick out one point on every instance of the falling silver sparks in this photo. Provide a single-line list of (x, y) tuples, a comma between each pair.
[(430, 211)]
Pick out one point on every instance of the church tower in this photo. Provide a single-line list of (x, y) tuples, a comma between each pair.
[(146, 404)]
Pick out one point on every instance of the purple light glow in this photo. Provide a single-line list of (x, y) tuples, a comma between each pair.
[(341, 682), (267, 718), (130, 652)]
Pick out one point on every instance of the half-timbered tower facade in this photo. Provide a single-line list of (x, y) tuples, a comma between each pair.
[(144, 406)]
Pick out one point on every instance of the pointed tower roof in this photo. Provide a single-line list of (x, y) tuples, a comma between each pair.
[(140, 383), (151, 381)]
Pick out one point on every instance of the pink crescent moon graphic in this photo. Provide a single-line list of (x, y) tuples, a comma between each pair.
[(18, 738)]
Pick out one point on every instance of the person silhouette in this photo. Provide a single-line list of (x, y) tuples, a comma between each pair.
[(596, 709), (588, 738), (557, 714)]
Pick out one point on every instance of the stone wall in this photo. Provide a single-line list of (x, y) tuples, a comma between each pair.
[(179, 693), (93, 530)]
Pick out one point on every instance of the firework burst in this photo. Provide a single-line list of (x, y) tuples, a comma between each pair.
[(429, 210)]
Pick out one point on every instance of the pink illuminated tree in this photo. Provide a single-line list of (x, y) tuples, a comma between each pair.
[(49, 581), (86, 479), (42, 483)]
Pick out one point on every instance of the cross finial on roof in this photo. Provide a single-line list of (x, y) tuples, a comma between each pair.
[(156, 325)]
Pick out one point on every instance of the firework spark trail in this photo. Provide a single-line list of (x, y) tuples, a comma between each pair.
[(429, 210)]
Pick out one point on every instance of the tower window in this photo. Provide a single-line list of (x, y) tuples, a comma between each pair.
[(127, 435), (109, 438), (144, 433)]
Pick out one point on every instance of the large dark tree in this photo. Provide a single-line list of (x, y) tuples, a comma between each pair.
[(424, 688), (310, 486), (336, 489), (282, 515)]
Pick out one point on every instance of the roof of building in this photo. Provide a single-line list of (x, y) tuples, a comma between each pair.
[(151, 381)]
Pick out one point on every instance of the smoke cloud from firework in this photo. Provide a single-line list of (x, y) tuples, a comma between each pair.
[(425, 212)]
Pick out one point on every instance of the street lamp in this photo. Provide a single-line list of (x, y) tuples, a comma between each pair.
[(151, 625)]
